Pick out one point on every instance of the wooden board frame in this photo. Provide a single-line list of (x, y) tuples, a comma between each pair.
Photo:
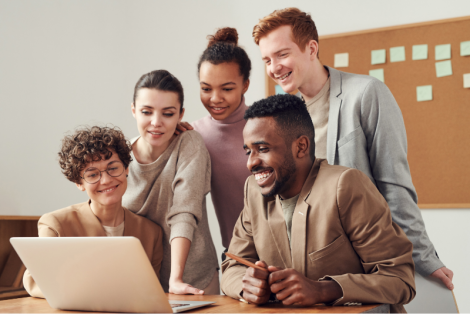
[(438, 141)]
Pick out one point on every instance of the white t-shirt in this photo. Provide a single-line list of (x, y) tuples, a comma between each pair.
[(117, 231)]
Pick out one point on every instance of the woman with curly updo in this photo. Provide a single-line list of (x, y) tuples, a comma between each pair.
[(224, 77), (168, 183), (97, 160)]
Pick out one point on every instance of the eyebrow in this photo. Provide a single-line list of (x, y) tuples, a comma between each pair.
[(166, 108), (228, 83), (256, 143)]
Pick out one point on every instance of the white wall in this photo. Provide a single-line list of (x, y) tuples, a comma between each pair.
[(67, 63)]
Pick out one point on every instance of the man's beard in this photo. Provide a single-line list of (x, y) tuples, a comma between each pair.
[(286, 171)]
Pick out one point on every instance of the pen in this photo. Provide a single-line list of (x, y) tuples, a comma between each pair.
[(245, 262)]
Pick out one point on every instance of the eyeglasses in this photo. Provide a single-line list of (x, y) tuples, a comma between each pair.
[(93, 175)]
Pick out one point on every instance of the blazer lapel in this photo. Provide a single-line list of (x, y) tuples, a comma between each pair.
[(300, 221), (277, 224), (93, 227), (335, 105)]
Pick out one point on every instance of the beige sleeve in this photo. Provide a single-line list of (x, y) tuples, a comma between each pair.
[(190, 185), (382, 246), (242, 245), (29, 284), (158, 252)]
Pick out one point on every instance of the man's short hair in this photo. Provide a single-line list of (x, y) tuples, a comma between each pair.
[(303, 27), (290, 114)]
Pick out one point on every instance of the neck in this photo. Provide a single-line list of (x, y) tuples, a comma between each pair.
[(315, 82), (108, 215), (297, 181), (146, 153)]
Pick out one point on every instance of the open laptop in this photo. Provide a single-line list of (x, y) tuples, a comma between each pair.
[(110, 274)]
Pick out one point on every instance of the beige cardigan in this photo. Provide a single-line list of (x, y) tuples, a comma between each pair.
[(342, 230), (171, 192), (79, 221)]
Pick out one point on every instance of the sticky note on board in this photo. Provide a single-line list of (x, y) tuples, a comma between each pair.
[(442, 52), (341, 60), (397, 54), (465, 48), (424, 93), (443, 68), (279, 90), (466, 80), (378, 74), (378, 56), (420, 52)]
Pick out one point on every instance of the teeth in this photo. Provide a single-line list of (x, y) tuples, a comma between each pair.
[(217, 109), (284, 76), (104, 191), (155, 133), (263, 175)]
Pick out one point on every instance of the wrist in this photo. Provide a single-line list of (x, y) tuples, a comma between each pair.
[(330, 291), (174, 280)]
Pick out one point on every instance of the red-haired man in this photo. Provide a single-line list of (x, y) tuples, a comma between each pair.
[(357, 122)]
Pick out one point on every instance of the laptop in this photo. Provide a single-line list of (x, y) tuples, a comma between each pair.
[(108, 274)]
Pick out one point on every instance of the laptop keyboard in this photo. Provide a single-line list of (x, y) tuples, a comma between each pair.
[(177, 305)]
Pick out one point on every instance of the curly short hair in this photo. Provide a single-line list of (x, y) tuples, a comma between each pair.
[(88, 144), (290, 114)]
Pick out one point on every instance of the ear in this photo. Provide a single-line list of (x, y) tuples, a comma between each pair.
[(246, 84), (181, 116), (302, 147), (80, 186), (133, 109), (312, 47)]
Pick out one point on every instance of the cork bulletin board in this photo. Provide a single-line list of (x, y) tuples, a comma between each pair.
[(438, 130)]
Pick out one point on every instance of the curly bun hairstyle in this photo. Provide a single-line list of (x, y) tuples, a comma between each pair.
[(160, 80), (89, 144), (223, 47), (291, 116)]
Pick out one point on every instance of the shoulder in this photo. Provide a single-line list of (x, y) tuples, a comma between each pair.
[(191, 143), (69, 213), (201, 124), (144, 225), (356, 84)]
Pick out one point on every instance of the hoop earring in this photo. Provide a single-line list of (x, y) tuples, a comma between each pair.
[(127, 175)]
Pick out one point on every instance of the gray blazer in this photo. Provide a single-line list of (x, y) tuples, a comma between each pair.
[(366, 131)]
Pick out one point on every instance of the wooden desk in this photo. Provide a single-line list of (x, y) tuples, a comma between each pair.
[(223, 304)]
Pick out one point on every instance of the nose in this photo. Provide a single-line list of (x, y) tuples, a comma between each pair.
[(156, 120), (105, 178), (253, 161), (275, 67), (216, 97)]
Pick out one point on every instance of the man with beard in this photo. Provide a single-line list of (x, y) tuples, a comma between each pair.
[(323, 233)]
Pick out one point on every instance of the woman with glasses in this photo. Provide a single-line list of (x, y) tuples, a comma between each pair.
[(97, 159), (168, 184)]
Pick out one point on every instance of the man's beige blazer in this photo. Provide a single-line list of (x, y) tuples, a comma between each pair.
[(342, 230), (79, 221)]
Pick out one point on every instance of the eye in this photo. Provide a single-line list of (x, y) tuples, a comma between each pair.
[(112, 168), (168, 114), (263, 149), (145, 112), (205, 89), (228, 89), (284, 54), (247, 152)]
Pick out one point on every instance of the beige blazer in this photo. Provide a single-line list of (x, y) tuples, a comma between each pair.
[(342, 230), (79, 221)]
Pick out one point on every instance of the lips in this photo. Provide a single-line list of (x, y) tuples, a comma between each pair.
[(218, 110), (263, 176), (108, 190), (284, 76)]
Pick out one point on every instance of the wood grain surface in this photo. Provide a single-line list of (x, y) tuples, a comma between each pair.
[(223, 304)]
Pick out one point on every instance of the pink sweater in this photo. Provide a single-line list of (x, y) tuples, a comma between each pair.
[(224, 141)]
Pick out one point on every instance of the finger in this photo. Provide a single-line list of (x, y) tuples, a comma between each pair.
[(292, 298), (254, 299), (276, 287), (260, 292), (274, 268), (256, 273), (259, 283), (187, 125), (177, 132), (262, 264), (439, 274), (191, 290), (449, 273), (180, 128), (278, 276)]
